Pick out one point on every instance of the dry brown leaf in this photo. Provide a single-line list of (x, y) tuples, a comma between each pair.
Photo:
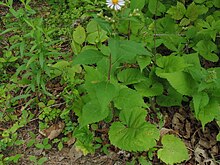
[(71, 141), (75, 154), (165, 131), (53, 131)]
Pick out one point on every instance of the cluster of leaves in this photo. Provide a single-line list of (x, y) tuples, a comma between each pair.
[(117, 74)]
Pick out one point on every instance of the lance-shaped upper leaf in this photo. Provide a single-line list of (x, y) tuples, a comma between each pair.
[(89, 56), (126, 50)]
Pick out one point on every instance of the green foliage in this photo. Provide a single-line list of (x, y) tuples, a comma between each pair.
[(173, 151), (133, 133), (86, 65), (40, 161)]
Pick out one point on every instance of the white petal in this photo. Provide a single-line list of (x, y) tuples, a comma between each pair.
[(112, 6), (117, 7), (121, 3)]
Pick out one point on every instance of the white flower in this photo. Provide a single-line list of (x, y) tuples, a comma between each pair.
[(115, 4)]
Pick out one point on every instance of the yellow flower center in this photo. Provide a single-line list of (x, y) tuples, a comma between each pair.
[(115, 2)]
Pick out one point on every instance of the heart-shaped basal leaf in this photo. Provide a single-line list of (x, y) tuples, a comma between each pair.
[(173, 151), (133, 133)]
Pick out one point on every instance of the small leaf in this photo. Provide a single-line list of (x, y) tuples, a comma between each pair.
[(89, 56), (133, 133), (156, 6), (177, 12), (192, 12), (33, 158), (42, 160), (173, 151), (184, 22), (200, 100), (60, 146), (135, 5), (79, 35), (206, 49), (143, 61)]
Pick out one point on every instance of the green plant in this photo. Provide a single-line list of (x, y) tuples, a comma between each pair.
[(173, 151), (122, 67), (44, 145), (118, 76), (39, 161)]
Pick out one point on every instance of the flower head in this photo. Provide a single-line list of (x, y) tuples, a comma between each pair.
[(115, 4)]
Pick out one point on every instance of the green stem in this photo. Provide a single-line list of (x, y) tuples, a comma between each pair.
[(110, 67)]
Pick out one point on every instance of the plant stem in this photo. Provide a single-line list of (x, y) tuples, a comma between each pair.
[(110, 67)]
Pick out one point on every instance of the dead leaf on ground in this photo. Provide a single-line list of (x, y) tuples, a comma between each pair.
[(53, 131), (75, 154)]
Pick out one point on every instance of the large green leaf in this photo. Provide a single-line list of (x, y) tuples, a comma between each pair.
[(105, 92), (130, 76), (173, 151), (133, 133), (128, 98), (149, 88), (93, 112), (97, 109), (170, 64), (89, 56), (126, 50), (182, 82)]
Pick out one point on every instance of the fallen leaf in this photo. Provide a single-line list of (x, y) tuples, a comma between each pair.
[(71, 141), (53, 131), (75, 154)]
